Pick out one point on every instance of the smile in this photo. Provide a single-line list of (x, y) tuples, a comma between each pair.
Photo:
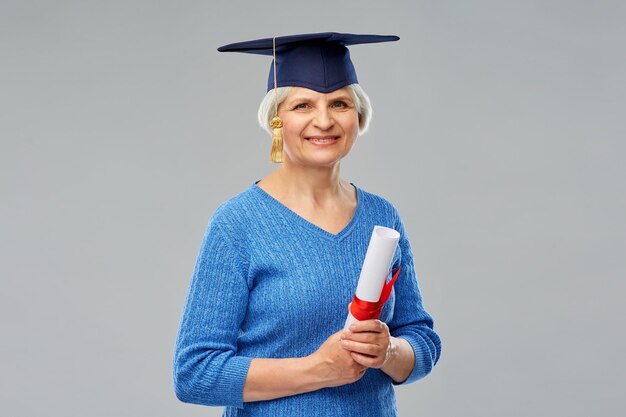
[(322, 139)]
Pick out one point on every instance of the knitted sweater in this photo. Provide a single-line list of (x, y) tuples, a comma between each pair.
[(269, 284)]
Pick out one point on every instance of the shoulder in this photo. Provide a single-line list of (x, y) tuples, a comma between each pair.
[(236, 210), (377, 205), (228, 227), (244, 219)]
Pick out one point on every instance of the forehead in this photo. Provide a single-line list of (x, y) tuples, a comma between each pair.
[(301, 92)]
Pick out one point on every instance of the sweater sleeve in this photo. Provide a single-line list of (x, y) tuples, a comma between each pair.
[(410, 321), (207, 369)]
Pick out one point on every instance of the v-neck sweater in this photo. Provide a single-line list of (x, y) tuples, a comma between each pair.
[(270, 284)]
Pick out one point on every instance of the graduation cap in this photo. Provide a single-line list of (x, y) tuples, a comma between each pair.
[(318, 61)]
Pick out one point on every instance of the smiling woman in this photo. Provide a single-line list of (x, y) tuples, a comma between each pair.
[(357, 94), (279, 262), (319, 129)]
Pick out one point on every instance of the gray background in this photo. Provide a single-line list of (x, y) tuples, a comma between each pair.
[(496, 133)]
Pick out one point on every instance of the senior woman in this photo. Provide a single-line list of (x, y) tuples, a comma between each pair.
[(279, 262)]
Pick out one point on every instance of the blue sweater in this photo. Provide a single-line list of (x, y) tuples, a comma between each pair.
[(269, 284)]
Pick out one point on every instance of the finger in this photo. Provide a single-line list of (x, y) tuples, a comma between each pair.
[(367, 337), (365, 348), (365, 360), (338, 335), (373, 325)]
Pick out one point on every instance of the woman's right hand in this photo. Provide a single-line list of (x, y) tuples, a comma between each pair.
[(333, 364)]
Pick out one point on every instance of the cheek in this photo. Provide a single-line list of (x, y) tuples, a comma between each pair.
[(291, 131), (294, 125), (351, 125)]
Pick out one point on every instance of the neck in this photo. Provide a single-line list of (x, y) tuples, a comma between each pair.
[(317, 183)]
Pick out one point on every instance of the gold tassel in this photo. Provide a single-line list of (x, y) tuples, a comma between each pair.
[(276, 154)]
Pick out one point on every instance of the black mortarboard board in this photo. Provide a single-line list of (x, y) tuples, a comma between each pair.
[(319, 61)]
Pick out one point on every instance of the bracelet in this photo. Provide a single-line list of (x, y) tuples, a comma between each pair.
[(389, 352)]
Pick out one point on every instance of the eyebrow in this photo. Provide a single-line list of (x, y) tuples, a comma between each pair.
[(343, 97), (295, 99)]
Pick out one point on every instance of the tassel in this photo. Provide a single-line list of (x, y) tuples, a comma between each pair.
[(276, 154)]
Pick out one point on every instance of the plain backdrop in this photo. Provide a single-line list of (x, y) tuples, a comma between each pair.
[(497, 132)]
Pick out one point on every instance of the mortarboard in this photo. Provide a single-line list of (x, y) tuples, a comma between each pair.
[(318, 61)]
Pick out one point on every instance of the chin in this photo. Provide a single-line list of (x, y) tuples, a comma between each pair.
[(316, 162), (324, 162)]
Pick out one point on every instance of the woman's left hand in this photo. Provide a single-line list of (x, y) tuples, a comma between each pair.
[(369, 342)]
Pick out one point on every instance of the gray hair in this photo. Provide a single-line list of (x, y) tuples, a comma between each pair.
[(361, 102)]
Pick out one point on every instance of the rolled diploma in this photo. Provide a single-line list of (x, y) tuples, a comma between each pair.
[(375, 267)]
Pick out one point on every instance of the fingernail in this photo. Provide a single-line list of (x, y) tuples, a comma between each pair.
[(352, 327)]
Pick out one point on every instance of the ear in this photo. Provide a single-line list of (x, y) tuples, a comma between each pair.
[(360, 118)]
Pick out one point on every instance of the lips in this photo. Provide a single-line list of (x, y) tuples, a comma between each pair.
[(322, 139)]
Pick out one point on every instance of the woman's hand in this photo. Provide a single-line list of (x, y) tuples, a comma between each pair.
[(368, 342), (334, 365)]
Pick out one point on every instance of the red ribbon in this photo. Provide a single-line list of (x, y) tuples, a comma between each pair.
[(366, 310)]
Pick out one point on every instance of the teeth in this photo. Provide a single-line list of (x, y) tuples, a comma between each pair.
[(321, 140)]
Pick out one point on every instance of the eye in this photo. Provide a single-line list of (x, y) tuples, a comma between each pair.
[(301, 106), (339, 104)]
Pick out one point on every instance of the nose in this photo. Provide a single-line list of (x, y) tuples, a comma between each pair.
[(323, 119)]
